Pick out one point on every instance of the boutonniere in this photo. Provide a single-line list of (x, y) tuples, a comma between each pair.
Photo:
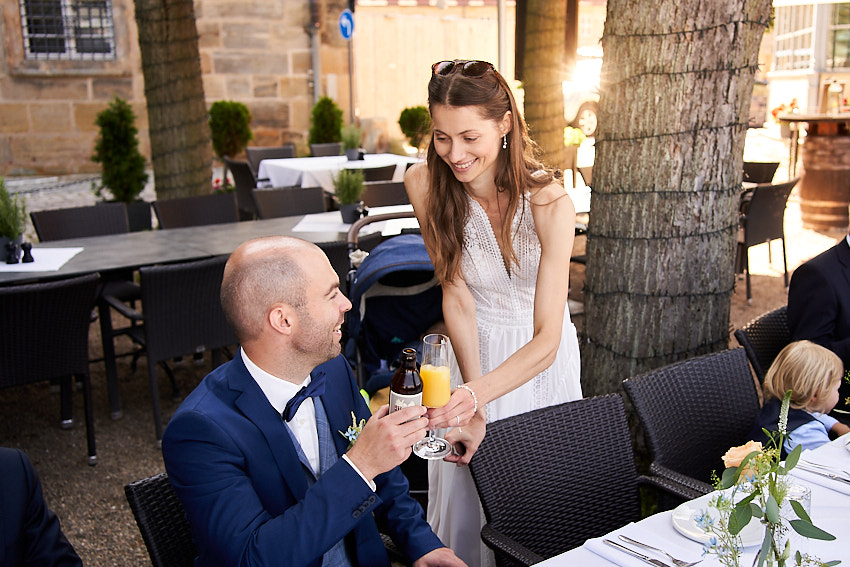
[(353, 430)]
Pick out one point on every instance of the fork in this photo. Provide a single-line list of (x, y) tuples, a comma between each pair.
[(677, 562)]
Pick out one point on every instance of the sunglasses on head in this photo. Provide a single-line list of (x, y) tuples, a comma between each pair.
[(467, 68)]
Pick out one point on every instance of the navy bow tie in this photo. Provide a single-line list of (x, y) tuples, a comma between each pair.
[(315, 388)]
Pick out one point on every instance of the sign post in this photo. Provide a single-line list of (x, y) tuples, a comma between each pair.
[(346, 30)]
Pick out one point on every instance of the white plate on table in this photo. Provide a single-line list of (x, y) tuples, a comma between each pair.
[(685, 523)]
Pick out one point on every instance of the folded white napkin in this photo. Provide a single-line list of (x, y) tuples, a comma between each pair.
[(44, 260), (644, 532), (835, 455)]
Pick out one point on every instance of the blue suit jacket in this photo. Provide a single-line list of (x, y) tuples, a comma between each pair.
[(29, 532), (235, 469)]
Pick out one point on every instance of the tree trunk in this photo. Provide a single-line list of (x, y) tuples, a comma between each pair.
[(177, 112), (677, 82), (545, 25)]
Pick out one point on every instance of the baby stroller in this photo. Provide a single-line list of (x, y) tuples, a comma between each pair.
[(395, 298)]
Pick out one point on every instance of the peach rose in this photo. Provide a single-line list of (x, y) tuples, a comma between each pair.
[(735, 455)]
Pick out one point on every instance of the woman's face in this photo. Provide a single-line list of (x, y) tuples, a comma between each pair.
[(468, 143)]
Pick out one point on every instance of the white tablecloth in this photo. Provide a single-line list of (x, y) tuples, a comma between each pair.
[(331, 221), (320, 171), (830, 511), (44, 260)]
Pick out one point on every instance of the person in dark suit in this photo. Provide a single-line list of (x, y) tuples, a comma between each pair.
[(30, 535), (274, 455), (819, 307)]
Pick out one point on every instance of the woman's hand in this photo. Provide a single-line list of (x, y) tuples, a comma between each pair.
[(465, 440), (457, 413)]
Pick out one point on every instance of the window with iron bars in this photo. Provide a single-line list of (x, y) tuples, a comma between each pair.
[(67, 29)]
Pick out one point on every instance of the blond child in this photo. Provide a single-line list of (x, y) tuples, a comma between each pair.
[(813, 374)]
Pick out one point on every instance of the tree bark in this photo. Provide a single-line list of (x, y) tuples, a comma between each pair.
[(676, 88), (543, 75), (177, 112)]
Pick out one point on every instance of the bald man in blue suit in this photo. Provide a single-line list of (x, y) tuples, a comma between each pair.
[(30, 535), (257, 453)]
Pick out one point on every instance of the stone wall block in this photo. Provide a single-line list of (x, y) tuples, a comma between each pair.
[(109, 87), (237, 87), (51, 117), (269, 114), (245, 36), (44, 88), (54, 154), (250, 64), (265, 87), (13, 118), (85, 115)]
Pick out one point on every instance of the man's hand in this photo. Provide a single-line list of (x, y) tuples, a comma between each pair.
[(386, 439), (466, 440), (442, 556)]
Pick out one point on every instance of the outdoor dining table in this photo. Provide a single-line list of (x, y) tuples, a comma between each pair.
[(320, 171), (830, 510)]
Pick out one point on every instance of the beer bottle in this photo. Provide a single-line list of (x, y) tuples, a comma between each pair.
[(406, 385)]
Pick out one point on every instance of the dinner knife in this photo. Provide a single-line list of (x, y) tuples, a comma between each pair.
[(821, 473), (641, 556)]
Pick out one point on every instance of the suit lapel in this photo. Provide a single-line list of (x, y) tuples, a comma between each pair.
[(337, 406), (256, 407), (843, 252)]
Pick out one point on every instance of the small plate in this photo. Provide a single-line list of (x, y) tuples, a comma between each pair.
[(685, 524)]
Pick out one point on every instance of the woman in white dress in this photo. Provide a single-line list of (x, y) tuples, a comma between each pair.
[(499, 229)]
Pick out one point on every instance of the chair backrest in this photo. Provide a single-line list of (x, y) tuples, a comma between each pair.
[(196, 211), (45, 329), (384, 193), (329, 149), (244, 180), (760, 171), (182, 308), (554, 477), (162, 521), (80, 222), (765, 213), (257, 154), (694, 410), (288, 201), (383, 173), (763, 338), (587, 175)]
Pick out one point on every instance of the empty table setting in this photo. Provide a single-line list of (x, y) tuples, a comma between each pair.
[(825, 470), (320, 171)]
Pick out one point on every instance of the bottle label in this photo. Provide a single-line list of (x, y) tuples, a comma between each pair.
[(401, 401)]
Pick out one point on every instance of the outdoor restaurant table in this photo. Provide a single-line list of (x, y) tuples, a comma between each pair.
[(320, 171), (830, 511)]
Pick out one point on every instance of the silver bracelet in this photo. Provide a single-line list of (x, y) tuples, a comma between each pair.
[(474, 397)]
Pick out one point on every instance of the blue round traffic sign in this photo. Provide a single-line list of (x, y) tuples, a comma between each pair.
[(346, 24)]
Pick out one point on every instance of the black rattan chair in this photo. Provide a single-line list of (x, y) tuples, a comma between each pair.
[(80, 222), (45, 330), (162, 521), (551, 478), (197, 210), (760, 171), (763, 338), (383, 173), (256, 154), (244, 181), (384, 193), (182, 315), (328, 149), (288, 201), (693, 411), (762, 219)]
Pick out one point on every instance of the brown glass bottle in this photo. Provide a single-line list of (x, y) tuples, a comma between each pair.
[(406, 385)]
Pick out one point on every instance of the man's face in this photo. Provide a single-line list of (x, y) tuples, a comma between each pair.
[(320, 319)]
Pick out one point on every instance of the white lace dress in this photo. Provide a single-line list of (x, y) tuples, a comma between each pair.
[(505, 311)]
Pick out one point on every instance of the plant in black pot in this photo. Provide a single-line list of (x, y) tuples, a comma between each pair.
[(415, 124), (351, 142), (348, 187), (13, 222), (230, 128), (325, 123), (123, 166)]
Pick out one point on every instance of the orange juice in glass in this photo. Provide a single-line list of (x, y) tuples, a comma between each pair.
[(436, 386), (436, 391)]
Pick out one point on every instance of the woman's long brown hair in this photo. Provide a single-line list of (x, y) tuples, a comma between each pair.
[(518, 170)]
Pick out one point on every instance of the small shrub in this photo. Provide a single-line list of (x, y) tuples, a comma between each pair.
[(230, 127), (350, 137), (348, 186), (325, 122), (117, 150), (13, 213), (415, 124)]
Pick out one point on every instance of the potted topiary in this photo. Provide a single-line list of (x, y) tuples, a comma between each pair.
[(415, 124), (351, 142), (325, 123), (123, 166), (348, 187), (13, 222), (230, 128)]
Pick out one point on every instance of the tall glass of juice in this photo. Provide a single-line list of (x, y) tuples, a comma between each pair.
[(436, 391)]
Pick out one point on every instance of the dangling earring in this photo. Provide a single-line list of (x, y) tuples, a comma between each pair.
[(504, 141)]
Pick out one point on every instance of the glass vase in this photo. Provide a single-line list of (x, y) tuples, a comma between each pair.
[(785, 540)]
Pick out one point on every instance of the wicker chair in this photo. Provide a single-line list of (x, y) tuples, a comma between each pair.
[(256, 154), (760, 171), (182, 316), (763, 338), (244, 180), (288, 201), (383, 173), (196, 211), (45, 330), (162, 521), (384, 193), (328, 149), (693, 411), (551, 478), (80, 222)]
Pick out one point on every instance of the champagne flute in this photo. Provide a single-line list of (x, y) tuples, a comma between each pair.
[(436, 391)]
